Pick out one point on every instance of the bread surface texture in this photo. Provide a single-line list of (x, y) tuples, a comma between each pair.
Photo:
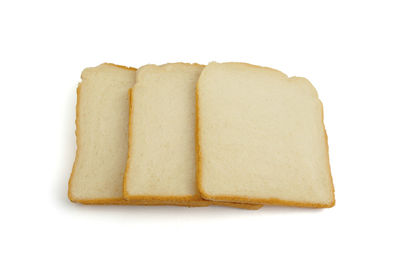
[(102, 115), (261, 138)]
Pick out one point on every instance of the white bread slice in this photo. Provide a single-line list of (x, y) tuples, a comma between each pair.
[(161, 160), (261, 138), (161, 163), (102, 116)]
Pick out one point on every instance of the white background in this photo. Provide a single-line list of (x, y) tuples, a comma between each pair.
[(349, 50)]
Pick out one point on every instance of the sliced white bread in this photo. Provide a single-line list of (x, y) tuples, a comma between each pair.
[(161, 165), (261, 138), (102, 114), (102, 117)]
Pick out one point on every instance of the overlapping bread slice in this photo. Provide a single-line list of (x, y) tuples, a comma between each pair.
[(102, 115), (261, 138), (161, 164)]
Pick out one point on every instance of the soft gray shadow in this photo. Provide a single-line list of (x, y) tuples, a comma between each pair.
[(67, 150), (156, 214), (287, 210)]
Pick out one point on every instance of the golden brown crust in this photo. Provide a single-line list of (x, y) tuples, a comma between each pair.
[(124, 191), (264, 201), (267, 201), (197, 145), (327, 154), (118, 201), (245, 206), (120, 66), (187, 198)]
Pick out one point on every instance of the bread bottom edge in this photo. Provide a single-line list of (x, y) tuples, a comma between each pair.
[(266, 201), (165, 202)]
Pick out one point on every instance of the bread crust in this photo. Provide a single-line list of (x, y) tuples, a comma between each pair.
[(120, 66), (189, 200), (118, 201), (240, 199)]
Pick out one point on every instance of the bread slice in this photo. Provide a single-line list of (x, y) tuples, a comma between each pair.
[(261, 138), (161, 165), (102, 115)]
